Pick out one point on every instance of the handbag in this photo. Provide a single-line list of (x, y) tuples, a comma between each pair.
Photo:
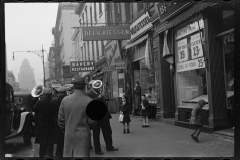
[(121, 118)]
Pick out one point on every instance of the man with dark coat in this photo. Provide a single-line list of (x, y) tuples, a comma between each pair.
[(74, 122), (104, 124), (44, 119), (62, 92)]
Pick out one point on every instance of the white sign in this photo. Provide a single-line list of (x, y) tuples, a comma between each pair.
[(189, 29), (140, 25), (182, 50), (191, 65), (108, 69), (196, 46)]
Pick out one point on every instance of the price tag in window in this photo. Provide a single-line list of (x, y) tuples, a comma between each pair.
[(196, 46), (182, 50)]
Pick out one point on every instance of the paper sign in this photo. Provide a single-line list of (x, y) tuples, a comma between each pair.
[(196, 46), (182, 50), (191, 65)]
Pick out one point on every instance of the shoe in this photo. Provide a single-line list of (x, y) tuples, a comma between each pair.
[(113, 149), (146, 125), (124, 131), (195, 139), (128, 131), (99, 153), (143, 126)]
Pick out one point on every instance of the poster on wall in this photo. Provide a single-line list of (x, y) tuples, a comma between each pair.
[(196, 46), (182, 50), (112, 52), (191, 65), (115, 84)]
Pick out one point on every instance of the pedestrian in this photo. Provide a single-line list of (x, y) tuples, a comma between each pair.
[(137, 91), (128, 94), (44, 119), (74, 122), (103, 124), (62, 92), (196, 119), (125, 110), (145, 110)]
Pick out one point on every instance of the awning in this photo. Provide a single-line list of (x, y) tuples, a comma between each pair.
[(195, 9), (136, 42)]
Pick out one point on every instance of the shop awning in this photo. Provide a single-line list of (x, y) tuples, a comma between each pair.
[(136, 42), (195, 9)]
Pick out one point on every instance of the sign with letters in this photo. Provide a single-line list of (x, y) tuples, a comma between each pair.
[(182, 50), (191, 65), (82, 66), (99, 33), (196, 46)]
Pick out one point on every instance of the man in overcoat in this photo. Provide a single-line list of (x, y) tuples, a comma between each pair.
[(44, 119), (103, 124), (74, 122), (62, 92)]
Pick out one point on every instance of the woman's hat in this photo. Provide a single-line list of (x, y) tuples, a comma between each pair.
[(78, 80)]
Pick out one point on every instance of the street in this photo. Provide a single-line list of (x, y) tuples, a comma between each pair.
[(159, 140)]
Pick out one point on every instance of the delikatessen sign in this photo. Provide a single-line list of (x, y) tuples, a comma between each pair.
[(98, 33), (82, 66)]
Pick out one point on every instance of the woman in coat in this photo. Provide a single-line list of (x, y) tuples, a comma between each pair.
[(196, 119), (125, 110), (137, 91), (145, 110), (44, 119)]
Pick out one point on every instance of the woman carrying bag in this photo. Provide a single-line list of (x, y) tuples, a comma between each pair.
[(125, 110), (145, 111)]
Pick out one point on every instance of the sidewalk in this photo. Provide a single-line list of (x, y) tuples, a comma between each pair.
[(163, 140)]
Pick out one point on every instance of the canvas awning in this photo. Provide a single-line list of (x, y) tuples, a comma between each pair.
[(136, 42)]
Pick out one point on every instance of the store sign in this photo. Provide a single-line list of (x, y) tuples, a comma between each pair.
[(191, 65), (196, 46), (82, 66), (99, 33), (167, 10), (182, 50), (108, 69), (190, 29), (141, 25)]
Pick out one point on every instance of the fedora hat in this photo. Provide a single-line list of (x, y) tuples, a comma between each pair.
[(77, 79)]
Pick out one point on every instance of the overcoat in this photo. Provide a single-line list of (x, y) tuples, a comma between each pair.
[(146, 111), (56, 104), (44, 120), (73, 121), (138, 97), (126, 110)]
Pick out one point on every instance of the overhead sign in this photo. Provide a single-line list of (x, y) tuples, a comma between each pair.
[(82, 66), (99, 33), (141, 25), (191, 65)]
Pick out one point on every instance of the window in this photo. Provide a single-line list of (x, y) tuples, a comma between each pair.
[(81, 53), (88, 51), (83, 19), (140, 6), (91, 15), (127, 12), (103, 54), (100, 8), (95, 12), (93, 51), (97, 50), (85, 53), (80, 22), (86, 16)]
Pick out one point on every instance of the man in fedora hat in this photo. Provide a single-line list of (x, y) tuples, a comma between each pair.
[(74, 121)]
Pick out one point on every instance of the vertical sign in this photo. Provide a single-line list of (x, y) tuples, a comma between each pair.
[(196, 46), (182, 50)]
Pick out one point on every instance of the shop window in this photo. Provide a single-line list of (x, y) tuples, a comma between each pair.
[(190, 64)]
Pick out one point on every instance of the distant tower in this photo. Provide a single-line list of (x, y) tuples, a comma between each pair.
[(26, 77)]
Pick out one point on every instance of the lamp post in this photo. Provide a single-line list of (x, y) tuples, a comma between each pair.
[(40, 53)]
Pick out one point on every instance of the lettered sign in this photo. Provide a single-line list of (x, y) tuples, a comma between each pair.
[(196, 46), (191, 65), (182, 50)]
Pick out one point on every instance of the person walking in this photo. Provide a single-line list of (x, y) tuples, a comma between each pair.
[(103, 124), (137, 91), (62, 92), (125, 110), (44, 120), (196, 119), (145, 111), (74, 122)]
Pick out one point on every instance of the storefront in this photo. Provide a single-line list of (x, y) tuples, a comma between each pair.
[(200, 52)]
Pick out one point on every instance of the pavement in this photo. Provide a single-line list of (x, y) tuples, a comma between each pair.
[(159, 140)]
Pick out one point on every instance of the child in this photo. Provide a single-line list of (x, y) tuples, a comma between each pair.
[(196, 119), (125, 110), (145, 110)]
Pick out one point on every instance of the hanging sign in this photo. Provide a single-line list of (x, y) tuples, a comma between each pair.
[(82, 66), (108, 69), (196, 46), (182, 50), (191, 65)]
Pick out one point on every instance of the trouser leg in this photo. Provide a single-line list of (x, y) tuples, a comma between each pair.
[(107, 133), (59, 150), (50, 150), (43, 150), (96, 138)]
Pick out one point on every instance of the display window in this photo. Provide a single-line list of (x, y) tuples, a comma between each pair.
[(190, 63)]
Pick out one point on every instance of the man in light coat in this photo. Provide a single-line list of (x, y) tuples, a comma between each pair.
[(74, 122)]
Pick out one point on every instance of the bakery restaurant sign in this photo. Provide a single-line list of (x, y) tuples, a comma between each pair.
[(82, 66), (140, 26)]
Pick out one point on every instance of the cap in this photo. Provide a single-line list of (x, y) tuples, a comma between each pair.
[(78, 80), (47, 91), (91, 82), (62, 89)]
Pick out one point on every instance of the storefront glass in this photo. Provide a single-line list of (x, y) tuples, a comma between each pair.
[(190, 64)]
